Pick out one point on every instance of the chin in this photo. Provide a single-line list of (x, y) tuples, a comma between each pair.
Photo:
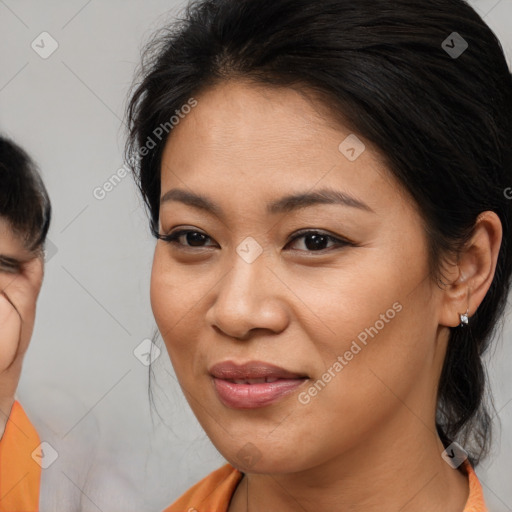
[(263, 459), (263, 467)]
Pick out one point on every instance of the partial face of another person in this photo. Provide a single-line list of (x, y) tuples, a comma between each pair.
[(21, 274), (300, 329)]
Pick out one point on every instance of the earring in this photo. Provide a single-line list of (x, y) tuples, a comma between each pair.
[(464, 319)]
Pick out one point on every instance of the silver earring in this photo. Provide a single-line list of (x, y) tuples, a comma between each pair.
[(464, 319)]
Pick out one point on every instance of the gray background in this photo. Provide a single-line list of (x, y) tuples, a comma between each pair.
[(81, 380)]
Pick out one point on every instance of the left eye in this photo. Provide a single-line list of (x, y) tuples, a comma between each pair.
[(313, 240)]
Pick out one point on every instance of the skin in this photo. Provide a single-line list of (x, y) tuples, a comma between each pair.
[(21, 276), (367, 441)]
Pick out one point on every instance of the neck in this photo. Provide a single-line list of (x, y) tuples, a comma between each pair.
[(407, 474)]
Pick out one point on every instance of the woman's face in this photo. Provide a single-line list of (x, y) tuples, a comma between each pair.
[(292, 349)]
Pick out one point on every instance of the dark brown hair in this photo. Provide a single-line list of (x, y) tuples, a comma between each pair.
[(442, 121), (24, 201)]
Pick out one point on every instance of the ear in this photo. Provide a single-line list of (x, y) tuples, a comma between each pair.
[(471, 277)]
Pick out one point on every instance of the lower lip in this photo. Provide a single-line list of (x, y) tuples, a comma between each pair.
[(251, 396)]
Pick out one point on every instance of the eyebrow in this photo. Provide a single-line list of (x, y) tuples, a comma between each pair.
[(285, 204)]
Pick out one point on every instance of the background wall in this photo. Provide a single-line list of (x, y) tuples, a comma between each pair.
[(82, 380)]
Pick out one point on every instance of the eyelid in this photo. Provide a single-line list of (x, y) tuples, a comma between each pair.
[(172, 237), (321, 232)]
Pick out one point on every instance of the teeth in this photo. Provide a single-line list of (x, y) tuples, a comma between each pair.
[(262, 380)]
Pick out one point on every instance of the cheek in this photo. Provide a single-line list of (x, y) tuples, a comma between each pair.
[(383, 360), (165, 303), (381, 322), (161, 296), (171, 293), (357, 301), (175, 302)]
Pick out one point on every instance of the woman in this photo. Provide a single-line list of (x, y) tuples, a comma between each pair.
[(326, 182), (25, 213)]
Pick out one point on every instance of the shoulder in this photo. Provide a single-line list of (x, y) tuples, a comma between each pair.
[(211, 494), (20, 471), (475, 502)]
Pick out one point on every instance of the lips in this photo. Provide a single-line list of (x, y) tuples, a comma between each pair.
[(253, 384)]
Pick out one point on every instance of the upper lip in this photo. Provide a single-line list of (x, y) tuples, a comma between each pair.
[(228, 370)]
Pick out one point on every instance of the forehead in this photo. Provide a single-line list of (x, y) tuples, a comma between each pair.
[(246, 139), (271, 119), (245, 146), (12, 244)]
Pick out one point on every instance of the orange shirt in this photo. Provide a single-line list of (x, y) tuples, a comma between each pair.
[(20, 474), (213, 493)]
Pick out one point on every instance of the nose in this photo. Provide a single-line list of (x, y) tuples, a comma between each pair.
[(250, 297)]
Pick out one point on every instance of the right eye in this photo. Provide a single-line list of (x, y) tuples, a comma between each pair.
[(9, 265), (192, 237)]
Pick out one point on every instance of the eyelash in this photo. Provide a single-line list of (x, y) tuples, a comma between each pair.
[(172, 238)]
